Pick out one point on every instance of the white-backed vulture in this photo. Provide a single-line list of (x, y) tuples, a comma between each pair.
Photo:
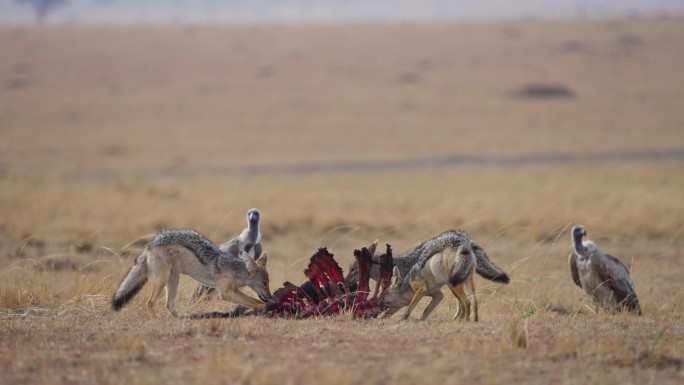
[(601, 275)]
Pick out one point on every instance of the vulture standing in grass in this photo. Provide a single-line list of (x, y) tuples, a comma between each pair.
[(249, 241), (602, 276)]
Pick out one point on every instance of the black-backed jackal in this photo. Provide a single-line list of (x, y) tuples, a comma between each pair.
[(453, 266), (176, 252), (249, 241), (405, 261), (421, 253)]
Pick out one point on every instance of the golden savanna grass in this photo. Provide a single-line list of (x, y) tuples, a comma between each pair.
[(109, 134)]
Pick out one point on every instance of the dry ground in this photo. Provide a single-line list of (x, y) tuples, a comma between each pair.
[(109, 134)]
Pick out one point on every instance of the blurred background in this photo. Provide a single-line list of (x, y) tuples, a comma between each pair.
[(343, 122), (187, 11)]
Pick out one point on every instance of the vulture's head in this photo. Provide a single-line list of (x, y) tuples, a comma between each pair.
[(253, 216), (578, 232)]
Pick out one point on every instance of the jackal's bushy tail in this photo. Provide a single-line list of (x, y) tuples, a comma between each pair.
[(487, 269), (465, 268), (131, 284)]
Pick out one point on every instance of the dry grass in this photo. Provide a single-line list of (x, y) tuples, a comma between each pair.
[(103, 127)]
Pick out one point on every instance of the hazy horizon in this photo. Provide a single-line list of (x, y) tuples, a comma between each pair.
[(211, 11)]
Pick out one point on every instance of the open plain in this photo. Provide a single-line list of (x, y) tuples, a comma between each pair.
[(341, 134)]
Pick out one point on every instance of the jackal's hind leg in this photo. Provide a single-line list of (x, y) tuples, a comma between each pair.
[(171, 290), (471, 285), (463, 311), (157, 287)]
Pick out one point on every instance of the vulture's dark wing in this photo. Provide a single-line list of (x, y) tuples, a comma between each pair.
[(615, 274), (572, 261)]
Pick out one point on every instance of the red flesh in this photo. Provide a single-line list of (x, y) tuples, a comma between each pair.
[(327, 279)]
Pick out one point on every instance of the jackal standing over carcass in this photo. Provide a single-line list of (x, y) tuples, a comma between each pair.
[(176, 252), (445, 261)]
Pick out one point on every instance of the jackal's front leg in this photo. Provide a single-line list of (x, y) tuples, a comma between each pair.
[(417, 296), (240, 298), (390, 312), (436, 299)]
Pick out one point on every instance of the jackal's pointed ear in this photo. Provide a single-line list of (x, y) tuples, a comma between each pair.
[(396, 277), (353, 273), (373, 246), (353, 269), (413, 273), (250, 264), (262, 260)]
